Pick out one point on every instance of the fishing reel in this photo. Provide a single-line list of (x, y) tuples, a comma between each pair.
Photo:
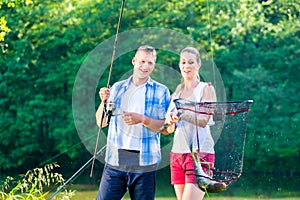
[(108, 109)]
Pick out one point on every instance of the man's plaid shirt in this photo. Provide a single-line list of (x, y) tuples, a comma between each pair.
[(157, 100)]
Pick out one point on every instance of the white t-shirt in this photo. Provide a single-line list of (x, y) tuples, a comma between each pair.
[(185, 134), (131, 139)]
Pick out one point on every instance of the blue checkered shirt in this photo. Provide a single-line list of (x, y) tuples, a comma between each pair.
[(157, 100)]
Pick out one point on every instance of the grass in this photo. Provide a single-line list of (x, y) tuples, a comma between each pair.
[(247, 188), (91, 195), (89, 192)]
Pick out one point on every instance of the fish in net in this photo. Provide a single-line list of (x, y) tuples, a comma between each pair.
[(228, 130)]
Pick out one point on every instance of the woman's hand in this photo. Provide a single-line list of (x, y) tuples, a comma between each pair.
[(171, 118)]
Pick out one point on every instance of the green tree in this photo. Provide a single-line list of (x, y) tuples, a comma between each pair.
[(254, 45)]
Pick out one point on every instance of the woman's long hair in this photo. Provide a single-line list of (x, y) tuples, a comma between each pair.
[(197, 54)]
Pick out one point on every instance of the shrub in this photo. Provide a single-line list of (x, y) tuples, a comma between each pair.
[(31, 185)]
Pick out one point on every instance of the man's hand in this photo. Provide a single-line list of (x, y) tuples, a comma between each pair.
[(131, 118), (104, 93)]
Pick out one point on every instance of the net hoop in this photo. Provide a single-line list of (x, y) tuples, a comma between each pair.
[(196, 107)]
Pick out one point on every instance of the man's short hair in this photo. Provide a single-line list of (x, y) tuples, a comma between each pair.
[(148, 49)]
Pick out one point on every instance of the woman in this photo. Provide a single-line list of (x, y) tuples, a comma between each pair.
[(188, 126)]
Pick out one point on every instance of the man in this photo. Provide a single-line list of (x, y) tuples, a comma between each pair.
[(133, 141)]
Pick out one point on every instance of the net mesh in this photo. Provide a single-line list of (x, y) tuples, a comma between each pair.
[(228, 132)]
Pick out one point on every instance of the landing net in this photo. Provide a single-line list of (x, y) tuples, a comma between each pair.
[(228, 131)]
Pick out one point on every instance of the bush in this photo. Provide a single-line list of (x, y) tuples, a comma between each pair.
[(31, 185)]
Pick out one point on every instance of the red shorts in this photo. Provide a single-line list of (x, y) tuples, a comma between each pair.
[(182, 164)]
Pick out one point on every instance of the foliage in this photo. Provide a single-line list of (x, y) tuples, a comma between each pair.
[(254, 45), (31, 185)]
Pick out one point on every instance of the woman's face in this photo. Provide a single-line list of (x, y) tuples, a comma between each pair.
[(189, 65)]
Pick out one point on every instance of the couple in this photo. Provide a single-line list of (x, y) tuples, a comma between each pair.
[(133, 141)]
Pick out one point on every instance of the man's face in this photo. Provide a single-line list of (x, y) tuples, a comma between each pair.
[(144, 63)]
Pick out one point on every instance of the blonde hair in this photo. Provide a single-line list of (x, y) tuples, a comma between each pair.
[(194, 51)]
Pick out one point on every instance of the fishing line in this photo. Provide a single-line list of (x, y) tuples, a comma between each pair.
[(210, 41), (59, 154)]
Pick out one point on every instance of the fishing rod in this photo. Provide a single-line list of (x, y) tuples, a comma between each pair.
[(75, 174), (108, 83), (96, 153)]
